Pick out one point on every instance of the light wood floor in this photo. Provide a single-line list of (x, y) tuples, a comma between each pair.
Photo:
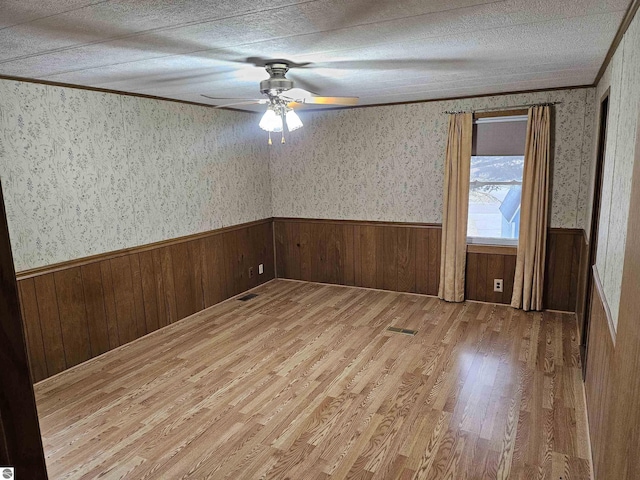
[(304, 382)]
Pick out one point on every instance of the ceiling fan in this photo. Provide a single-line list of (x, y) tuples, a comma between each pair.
[(282, 98)]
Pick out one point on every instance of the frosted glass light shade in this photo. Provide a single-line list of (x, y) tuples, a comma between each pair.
[(293, 121), (271, 122)]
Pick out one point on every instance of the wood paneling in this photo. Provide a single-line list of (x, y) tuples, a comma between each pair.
[(81, 310), (150, 297), (583, 275), (94, 302), (47, 305), (214, 277), (31, 320), (73, 316), (20, 439), (406, 258), (482, 269), (399, 257), (109, 303), (598, 377), (86, 308), (564, 253), (564, 256)]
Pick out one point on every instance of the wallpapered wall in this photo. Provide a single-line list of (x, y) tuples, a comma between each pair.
[(387, 163), (86, 172), (623, 76)]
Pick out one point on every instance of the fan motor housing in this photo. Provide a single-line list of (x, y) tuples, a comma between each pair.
[(276, 83)]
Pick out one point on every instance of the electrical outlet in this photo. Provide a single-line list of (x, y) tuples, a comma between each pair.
[(250, 272), (260, 269), (497, 284)]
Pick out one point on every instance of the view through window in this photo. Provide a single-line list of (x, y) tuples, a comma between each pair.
[(495, 183), (494, 197)]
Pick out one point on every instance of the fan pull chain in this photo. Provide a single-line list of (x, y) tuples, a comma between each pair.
[(282, 141), (270, 142)]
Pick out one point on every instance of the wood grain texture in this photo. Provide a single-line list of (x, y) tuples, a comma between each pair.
[(95, 307), (73, 316), (305, 382), (598, 379), (406, 258), (564, 253), (584, 273), (390, 256), (482, 269), (76, 313), (33, 331), (20, 438), (47, 302)]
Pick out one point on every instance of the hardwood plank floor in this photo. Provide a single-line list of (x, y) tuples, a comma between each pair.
[(304, 382)]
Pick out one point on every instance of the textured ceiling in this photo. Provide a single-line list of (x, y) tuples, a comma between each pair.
[(381, 51)]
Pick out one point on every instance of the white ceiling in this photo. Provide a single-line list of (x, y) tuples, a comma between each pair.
[(381, 51)]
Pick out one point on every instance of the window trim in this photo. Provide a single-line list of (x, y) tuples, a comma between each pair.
[(487, 117), (496, 241), (492, 249), (478, 183)]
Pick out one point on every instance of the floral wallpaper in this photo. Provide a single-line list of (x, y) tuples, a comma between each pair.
[(386, 163), (623, 76), (86, 172)]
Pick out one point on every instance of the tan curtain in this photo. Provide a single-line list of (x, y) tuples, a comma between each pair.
[(456, 207), (532, 243)]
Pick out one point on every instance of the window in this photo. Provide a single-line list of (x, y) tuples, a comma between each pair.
[(495, 185)]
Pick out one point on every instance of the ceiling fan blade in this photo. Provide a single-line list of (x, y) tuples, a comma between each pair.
[(305, 84), (241, 101), (247, 102), (235, 98), (295, 93), (348, 101)]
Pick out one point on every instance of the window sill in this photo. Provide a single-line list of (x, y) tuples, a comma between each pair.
[(507, 242), (492, 249)]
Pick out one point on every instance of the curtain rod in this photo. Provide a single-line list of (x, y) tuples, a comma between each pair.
[(510, 107)]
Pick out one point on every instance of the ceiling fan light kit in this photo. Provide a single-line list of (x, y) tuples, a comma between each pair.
[(282, 96), (293, 121), (271, 121)]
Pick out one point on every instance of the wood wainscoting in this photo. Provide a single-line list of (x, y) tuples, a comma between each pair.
[(389, 256), (583, 285), (599, 374), (405, 257), (562, 271), (484, 264), (80, 309)]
